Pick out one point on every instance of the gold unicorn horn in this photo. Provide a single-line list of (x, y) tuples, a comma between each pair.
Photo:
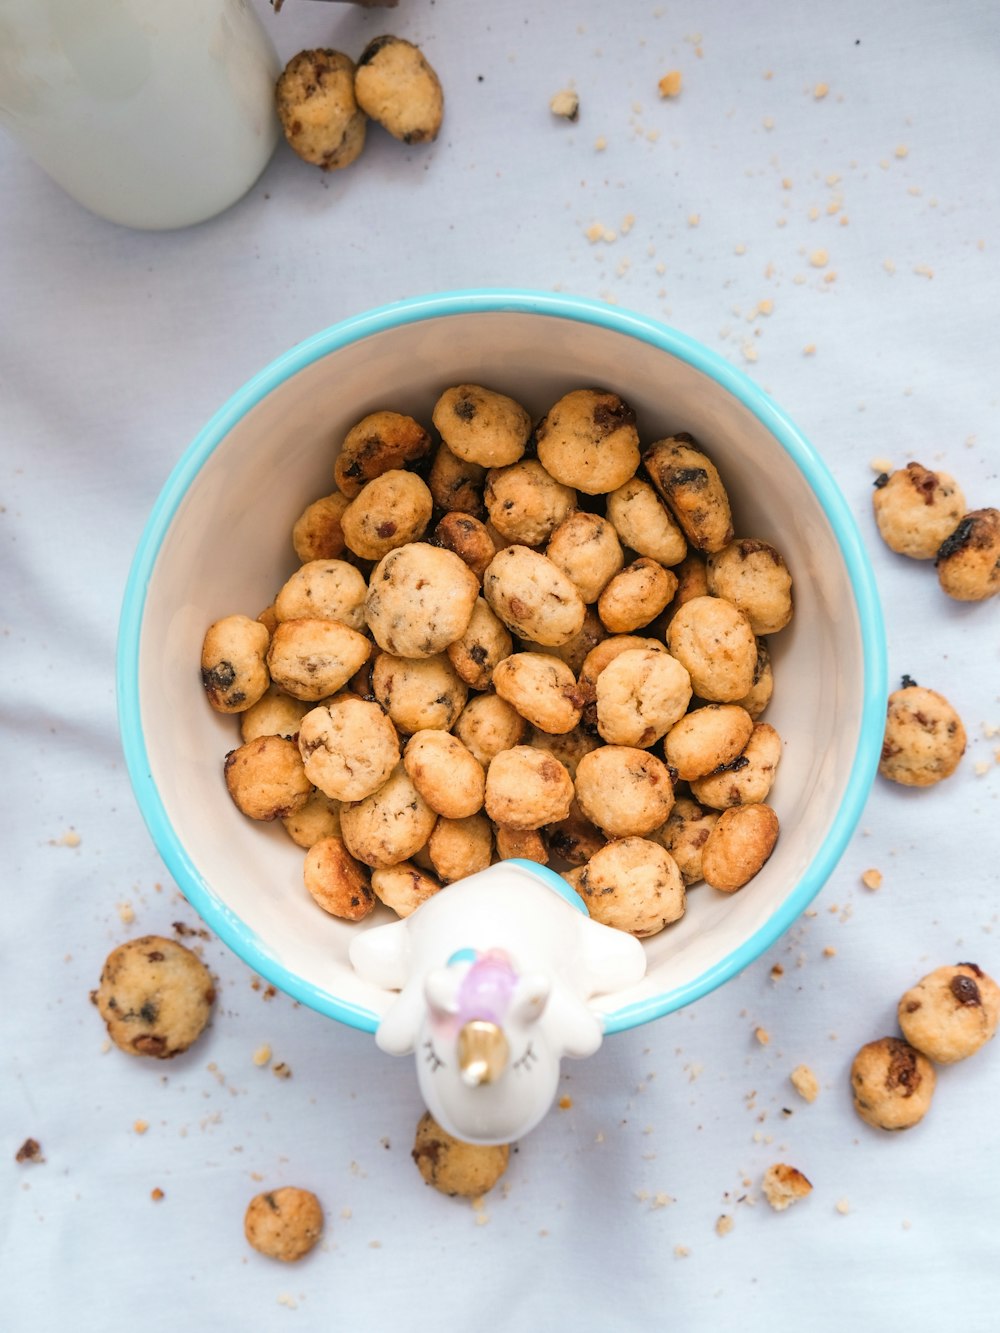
[(482, 1052)]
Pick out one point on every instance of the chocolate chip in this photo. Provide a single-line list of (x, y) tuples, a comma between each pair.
[(965, 990), (959, 539), (881, 480)]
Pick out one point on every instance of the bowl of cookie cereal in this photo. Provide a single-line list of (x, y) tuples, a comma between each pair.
[(500, 575)]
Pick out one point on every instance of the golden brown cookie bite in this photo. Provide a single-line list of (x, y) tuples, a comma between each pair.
[(155, 996), (714, 641), (924, 738), (318, 110), (420, 599), (337, 880), (968, 561), (753, 575), (323, 590), (623, 790), (950, 1013), (481, 426), (284, 1224), (233, 666), (348, 747), (390, 510), (541, 688), (266, 779), (445, 773), (588, 440), (378, 443), (527, 788), (738, 845), (892, 1084), (525, 503), (690, 484), (311, 658), (916, 509), (453, 1167), (587, 550), (640, 696), (633, 884), (390, 825), (532, 597), (396, 86), (644, 523)]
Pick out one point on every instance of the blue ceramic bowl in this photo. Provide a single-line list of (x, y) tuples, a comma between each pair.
[(218, 542)]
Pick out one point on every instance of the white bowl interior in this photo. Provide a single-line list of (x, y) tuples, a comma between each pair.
[(228, 549)]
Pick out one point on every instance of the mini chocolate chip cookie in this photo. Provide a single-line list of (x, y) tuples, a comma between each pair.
[(568, 747), (317, 534), (266, 779), (485, 643), (419, 692), (754, 577), (348, 747), (892, 1084), (390, 825), (707, 739), (533, 597), (684, 836), (233, 667), (481, 426), (950, 1013), (623, 790), (457, 484), (284, 1224), (337, 880), (924, 738), (644, 523), (916, 510), (968, 562), (747, 779), (640, 696), (587, 550), (574, 839), (155, 996), (460, 847), (420, 599), (389, 511), (396, 86), (488, 724), (468, 538), (527, 788), (311, 659), (690, 484), (542, 689), (404, 887), (525, 504), (588, 440), (318, 818), (635, 596), (738, 845), (445, 773), (713, 640), (633, 884), (521, 844), (318, 109), (378, 443), (324, 590), (274, 714), (455, 1168)]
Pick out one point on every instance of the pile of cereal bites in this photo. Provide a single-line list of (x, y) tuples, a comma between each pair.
[(513, 642)]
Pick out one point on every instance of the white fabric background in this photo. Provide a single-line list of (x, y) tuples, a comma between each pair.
[(117, 346)]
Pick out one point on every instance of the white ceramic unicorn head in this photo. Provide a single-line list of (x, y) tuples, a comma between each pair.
[(494, 974)]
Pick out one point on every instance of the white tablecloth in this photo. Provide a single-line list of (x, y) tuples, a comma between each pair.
[(116, 347)]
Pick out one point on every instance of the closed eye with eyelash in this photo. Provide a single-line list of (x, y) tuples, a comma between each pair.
[(432, 1058), (527, 1059)]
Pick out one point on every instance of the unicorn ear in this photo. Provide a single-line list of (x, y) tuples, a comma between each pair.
[(532, 996), (441, 992)]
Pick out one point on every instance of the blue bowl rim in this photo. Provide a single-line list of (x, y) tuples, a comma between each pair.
[(227, 924)]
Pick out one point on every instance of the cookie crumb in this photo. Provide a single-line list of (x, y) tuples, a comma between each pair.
[(126, 913), (565, 104), (288, 1300), (724, 1225), (819, 258), (68, 839), (872, 879), (281, 1070), (670, 84), (141, 1126), (565, 1103), (777, 971), (809, 349), (829, 951), (600, 143), (30, 1151), (902, 150), (881, 465), (762, 1035), (981, 767), (262, 1055), (843, 1207), (820, 91), (346, 1213), (805, 1082), (681, 1252), (156, 1194), (784, 1185)]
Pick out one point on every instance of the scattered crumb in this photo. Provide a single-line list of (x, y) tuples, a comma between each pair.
[(777, 971), (141, 1126), (819, 259), (628, 222), (597, 231), (156, 1194), (694, 219), (805, 1082), (923, 270), (600, 143), (126, 913), (565, 1103), (907, 1224), (68, 839), (749, 351), (288, 1300), (281, 1070), (784, 1185), (262, 1055), (902, 150), (661, 1200), (762, 1035), (374, 1244), (843, 1207), (30, 1151), (345, 1213), (821, 90), (872, 879), (981, 767), (889, 265), (565, 104), (670, 84), (768, 122), (681, 1251), (724, 1225), (881, 465), (809, 349), (829, 951), (739, 248)]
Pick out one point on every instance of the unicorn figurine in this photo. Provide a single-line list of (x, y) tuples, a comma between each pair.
[(494, 974)]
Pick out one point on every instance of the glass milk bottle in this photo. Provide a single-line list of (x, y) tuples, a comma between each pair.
[(151, 113)]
